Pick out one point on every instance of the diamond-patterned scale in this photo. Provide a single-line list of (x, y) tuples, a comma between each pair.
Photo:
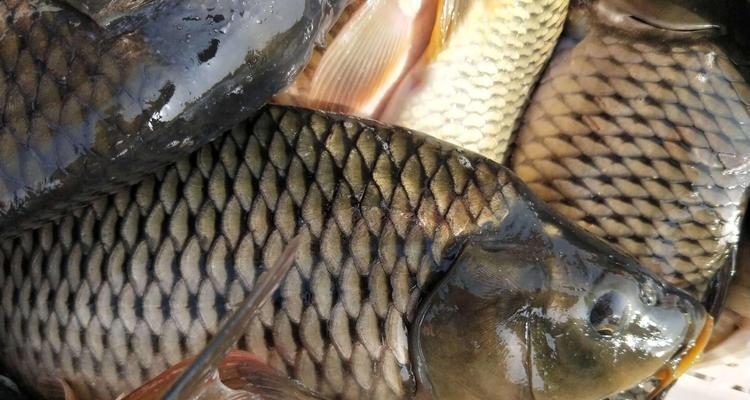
[(87, 110), (646, 145), (142, 279)]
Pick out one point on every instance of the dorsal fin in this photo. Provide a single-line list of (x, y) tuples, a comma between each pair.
[(243, 375)]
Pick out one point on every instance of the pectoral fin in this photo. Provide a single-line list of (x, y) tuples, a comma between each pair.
[(261, 380), (369, 56), (241, 374)]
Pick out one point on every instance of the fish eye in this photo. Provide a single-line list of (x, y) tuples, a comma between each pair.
[(607, 314)]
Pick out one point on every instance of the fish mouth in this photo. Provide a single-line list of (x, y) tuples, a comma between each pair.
[(687, 357)]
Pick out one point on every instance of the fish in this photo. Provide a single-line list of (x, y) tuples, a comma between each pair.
[(473, 90), (205, 376), (639, 132), (730, 334), (371, 47), (415, 257), (461, 73), (98, 94)]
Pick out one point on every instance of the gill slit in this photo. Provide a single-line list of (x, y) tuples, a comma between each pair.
[(527, 366)]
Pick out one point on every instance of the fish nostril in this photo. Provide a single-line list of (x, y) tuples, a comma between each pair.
[(649, 294), (672, 301), (607, 314)]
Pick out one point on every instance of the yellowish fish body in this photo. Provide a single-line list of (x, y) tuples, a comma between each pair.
[(472, 93), (460, 70)]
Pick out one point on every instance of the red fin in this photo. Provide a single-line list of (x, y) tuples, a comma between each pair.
[(67, 390), (240, 370), (158, 385), (260, 379), (370, 55)]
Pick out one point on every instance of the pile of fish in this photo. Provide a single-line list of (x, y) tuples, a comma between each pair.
[(449, 199)]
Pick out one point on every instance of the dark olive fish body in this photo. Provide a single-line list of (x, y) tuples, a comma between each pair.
[(640, 133), (87, 108), (155, 268), (113, 294)]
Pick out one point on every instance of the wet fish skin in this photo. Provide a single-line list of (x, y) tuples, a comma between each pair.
[(88, 109), (468, 87), (737, 312), (475, 89), (117, 292), (104, 12), (641, 136), (739, 293), (163, 261)]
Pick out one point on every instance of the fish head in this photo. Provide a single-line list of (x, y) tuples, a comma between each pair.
[(537, 308)]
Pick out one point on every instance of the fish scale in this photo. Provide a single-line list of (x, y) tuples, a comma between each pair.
[(644, 144), (479, 84), (116, 292), (468, 87), (88, 109)]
